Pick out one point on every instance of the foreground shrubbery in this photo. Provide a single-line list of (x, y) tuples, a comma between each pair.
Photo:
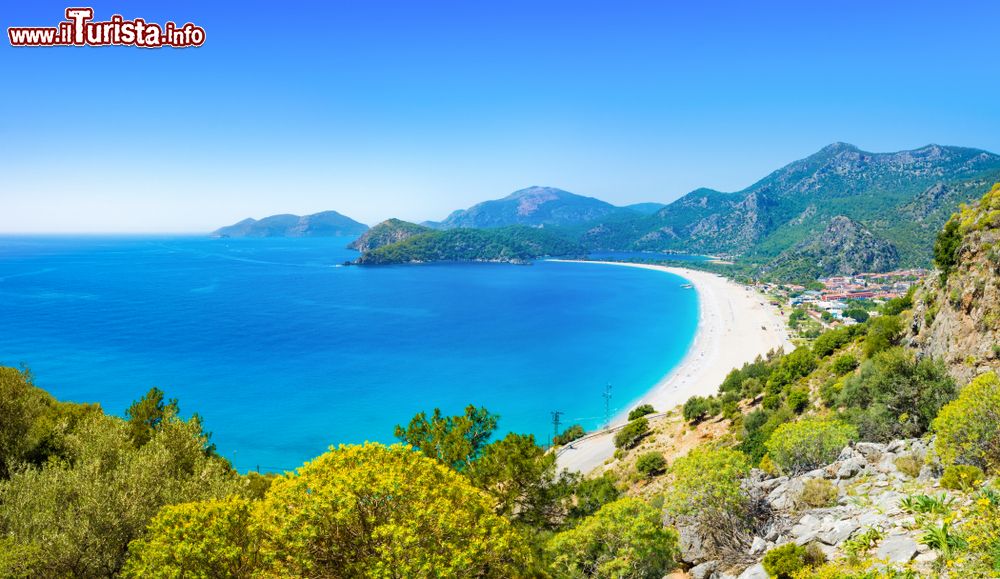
[(967, 429), (797, 447), (625, 538), (85, 494)]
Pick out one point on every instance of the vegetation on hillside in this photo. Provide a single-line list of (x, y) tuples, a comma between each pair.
[(516, 244)]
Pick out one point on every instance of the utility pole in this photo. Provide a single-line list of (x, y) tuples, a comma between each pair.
[(555, 424), (607, 404)]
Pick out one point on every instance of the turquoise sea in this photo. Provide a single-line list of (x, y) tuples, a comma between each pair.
[(284, 352)]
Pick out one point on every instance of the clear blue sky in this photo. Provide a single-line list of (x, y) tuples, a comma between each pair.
[(413, 109)]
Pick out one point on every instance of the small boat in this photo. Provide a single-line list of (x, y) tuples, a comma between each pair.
[(687, 286)]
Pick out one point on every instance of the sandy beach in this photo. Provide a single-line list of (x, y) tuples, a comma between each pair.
[(736, 324)]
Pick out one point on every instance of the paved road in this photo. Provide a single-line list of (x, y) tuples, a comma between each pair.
[(590, 452), (586, 455)]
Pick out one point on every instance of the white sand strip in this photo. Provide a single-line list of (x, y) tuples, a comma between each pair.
[(735, 325)]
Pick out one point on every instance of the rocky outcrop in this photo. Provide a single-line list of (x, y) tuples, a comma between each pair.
[(869, 486), (385, 233), (957, 316)]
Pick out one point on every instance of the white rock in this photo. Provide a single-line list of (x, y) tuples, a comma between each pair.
[(754, 572), (897, 549), (841, 531)]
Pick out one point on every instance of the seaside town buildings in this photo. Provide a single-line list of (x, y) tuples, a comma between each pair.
[(833, 295)]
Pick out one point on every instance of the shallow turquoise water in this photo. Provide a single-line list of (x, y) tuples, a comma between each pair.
[(284, 353)]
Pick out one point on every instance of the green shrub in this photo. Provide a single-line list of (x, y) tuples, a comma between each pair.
[(798, 400), (883, 333), (625, 538), (962, 477), (925, 504), (859, 315), (946, 247), (831, 341), (968, 429), (696, 408), (809, 443), (860, 544), (651, 464), (844, 364), (642, 410), (569, 435), (632, 433), (592, 494), (784, 561), (896, 306), (909, 465), (757, 429), (894, 395), (818, 493), (708, 491)]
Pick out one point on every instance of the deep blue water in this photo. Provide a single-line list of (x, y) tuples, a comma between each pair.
[(283, 353)]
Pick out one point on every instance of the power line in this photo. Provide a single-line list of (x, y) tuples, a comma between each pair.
[(555, 423)]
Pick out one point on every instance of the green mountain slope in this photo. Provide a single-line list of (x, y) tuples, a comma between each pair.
[(903, 197), (515, 244), (324, 224), (846, 247)]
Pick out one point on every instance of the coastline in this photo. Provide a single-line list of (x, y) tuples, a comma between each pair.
[(735, 325)]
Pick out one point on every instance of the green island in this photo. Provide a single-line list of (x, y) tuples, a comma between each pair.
[(510, 244)]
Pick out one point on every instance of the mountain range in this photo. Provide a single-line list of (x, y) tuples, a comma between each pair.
[(323, 224), (841, 210), (534, 206)]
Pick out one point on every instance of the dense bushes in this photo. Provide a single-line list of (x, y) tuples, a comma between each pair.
[(215, 538), (697, 408), (641, 410), (968, 429), (786, 561), (894, 396), (78, 516), (833, 340), (844, 364), (707, 493), (632, 433), (809, 443), (946, 247), (962, 477), (625, 538), (569, 435), (651, 464), (375, 510), (882, 333)]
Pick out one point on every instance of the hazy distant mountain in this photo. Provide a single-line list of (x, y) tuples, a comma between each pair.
[(645, 208), (388, 232), (532, 206), (324, 224), (902, 197)]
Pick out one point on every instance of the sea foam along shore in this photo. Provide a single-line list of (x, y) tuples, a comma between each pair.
[(735, 325)]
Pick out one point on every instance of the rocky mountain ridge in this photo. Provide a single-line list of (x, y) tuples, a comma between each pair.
[(957, 313)]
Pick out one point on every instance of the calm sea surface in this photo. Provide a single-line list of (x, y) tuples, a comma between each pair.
[(284, 352)]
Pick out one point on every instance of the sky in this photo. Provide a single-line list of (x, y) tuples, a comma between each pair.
[(412, 109)]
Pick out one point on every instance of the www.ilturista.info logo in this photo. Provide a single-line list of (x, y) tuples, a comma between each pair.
[(79, 29)]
